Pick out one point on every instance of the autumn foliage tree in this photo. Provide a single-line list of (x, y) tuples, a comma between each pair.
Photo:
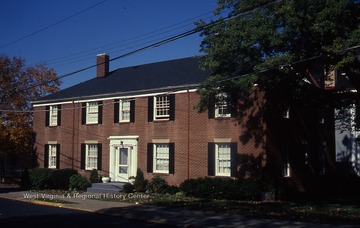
[(20, 84)]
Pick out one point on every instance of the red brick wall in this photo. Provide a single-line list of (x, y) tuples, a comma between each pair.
[(190, 131)]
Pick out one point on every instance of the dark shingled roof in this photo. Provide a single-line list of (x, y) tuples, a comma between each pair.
[(149, 78)]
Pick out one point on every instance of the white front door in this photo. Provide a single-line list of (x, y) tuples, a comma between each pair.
[(123, 157), (123, 163)]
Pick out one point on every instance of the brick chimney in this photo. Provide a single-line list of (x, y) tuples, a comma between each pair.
[(102, 65)]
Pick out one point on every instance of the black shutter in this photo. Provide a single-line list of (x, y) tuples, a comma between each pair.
[(150, 109), (132, 111), (59, 115), (58, 156), (100, 112), (47, 116), (46, 156), (99, 165), (171, 158), (211, 111), (116, 111), (150, 155), (211, 159), (83, 113), (83, 156), (172, 106), (234, 156)]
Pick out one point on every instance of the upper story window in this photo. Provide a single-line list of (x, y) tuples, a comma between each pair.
[(124, 111), (162, 107), (221, 109), (92, 113), (53, 115)]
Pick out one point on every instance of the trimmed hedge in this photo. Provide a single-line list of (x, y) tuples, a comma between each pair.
[(221, 188), (42, 178), (78, 182)]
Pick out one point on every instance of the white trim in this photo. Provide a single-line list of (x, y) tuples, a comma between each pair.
[(115, 97), (52, 146), (222, 140), (155, 158), (121, 101), (217, 173), (161, 141)]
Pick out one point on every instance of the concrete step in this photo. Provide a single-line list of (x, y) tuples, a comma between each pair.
[(111, 187)]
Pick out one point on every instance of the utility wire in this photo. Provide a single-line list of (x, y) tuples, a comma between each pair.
[(165, 41), (52, 25)]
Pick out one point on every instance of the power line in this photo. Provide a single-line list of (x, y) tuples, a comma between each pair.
[(165, 41), (52, 25)]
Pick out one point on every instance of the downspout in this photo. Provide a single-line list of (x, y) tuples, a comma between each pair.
[(188, 136), (73, 135)]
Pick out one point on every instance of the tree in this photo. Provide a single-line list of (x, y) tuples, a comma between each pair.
[(18, 86), (276, 43)]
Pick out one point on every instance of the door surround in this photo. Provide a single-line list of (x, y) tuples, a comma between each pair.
[(130, 141)]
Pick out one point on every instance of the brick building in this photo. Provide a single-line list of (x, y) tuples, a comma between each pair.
[(144, 117)]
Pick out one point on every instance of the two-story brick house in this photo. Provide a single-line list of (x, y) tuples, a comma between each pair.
[(143, 117)]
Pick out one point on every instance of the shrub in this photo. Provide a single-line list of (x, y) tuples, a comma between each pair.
[(250, 189), (60, 178), (78, 182), (171, 189), (25, 182), (140, 182), (40, 178), (157, 184), (128, 188), (94, 176), (211, 188)]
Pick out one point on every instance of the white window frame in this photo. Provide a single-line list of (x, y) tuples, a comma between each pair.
[(222, 161), (124, 111), (162, 107), (163, 156), (92, 108), (88, 157), (53, 115), (52, 156), (221, 107)]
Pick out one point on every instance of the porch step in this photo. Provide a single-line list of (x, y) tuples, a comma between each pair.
[(111, 187)]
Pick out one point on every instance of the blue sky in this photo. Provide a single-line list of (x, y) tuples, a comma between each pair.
[(115, 27)]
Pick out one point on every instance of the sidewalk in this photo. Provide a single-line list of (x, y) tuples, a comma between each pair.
[(163, 215)]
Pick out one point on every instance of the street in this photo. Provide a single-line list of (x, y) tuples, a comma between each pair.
[(16, 214)]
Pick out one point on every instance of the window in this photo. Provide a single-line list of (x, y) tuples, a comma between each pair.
[(52, 156), (286, 168), (162, 107), (161, 158), (91, 156), (92, 110), (53, 115), (92, 113), (222, 107), (222, 159), (124, 111)]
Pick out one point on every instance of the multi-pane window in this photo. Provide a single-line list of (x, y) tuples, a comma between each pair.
[(221, 107), (124, 110), (92, 112), (223, 159), (53, 118), (161, 158), (161, 107), (91, 156), (52, 156)]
